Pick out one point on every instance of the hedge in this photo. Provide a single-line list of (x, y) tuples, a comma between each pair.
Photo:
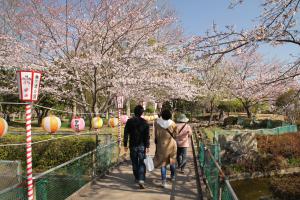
[(48, 154)]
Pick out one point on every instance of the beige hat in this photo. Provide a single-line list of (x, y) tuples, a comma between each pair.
[(182, 118)]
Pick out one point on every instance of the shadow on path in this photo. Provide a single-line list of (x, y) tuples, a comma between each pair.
[(119, 184)]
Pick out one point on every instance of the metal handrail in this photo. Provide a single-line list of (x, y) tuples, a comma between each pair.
[(70, 161), (221, 174), (231, 190)]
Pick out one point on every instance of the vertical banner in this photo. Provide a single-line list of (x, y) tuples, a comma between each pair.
[(35, 86), (26, 81)]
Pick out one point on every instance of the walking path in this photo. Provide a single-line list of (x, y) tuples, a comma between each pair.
[(119, 184)]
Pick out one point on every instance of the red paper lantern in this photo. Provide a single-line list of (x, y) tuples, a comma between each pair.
[(77, 124), (124, 119)]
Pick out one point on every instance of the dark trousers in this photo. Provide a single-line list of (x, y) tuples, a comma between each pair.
[(137, 156), (181, 157)]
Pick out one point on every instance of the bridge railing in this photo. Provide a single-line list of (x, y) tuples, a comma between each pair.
[(62, 181), (218, 185)]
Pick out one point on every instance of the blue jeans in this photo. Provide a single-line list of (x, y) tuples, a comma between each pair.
[(181, 157), (137, 156)]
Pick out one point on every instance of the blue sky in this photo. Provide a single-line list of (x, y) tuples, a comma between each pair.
[(196, 16)]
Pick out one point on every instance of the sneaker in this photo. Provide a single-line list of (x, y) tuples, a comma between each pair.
[(142, 184), (172, 178), (182, 171), (164, 184)]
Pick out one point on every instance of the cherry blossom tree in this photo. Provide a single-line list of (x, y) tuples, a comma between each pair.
[(250, 80), (93, 50), (213, 81), (276, 26)]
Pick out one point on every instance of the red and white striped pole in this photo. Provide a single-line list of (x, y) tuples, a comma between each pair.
[(28, 85), (29, 152), (119, 127)]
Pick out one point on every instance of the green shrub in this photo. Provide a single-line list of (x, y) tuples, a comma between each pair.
[(230, 121), (205, 117), (48, 154), (247, 123)]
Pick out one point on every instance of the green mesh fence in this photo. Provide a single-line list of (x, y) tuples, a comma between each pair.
[(11, 180), (273, 131), (18, 192), (65, 180), (62, 181), (218, 186)]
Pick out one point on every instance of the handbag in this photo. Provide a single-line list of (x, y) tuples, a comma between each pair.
[(149, 163)]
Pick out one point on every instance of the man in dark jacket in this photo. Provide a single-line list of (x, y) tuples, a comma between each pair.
[(139, 140)]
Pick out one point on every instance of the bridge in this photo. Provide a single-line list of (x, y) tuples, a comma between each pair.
[(106, 173), (119, 184)]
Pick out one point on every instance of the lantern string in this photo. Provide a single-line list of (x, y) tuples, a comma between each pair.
[(48, 108), (21, 144), (13, 103), (36, 105)]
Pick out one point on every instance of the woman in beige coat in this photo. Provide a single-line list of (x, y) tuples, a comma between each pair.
[(166, 148)]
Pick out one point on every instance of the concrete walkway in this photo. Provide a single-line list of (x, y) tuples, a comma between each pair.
[(119, 184)]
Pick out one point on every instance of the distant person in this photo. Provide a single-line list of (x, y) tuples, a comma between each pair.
[(184, 133), (137, 129), (165, 134)]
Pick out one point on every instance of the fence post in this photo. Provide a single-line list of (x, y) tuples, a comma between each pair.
[(201, 154), (40, 189), (214, 172)]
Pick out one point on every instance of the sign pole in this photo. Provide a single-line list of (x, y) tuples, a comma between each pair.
[(119, 128), (119, 104), (28, 86), (29, 152), (155, 107)]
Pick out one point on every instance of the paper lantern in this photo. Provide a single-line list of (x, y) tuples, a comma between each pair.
[(113, 122), (124, 119), (51, 124), (77, 124), (97, 122), (3, 127), (146, 117), (28, 84)]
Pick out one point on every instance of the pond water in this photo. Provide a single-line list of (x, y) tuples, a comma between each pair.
[(252, 189)]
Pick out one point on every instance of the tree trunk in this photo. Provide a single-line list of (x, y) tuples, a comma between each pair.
[(74, 109), (249, 114), (40, 115), (221, 116), (7, 117), (128, 108), (211, 112)]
